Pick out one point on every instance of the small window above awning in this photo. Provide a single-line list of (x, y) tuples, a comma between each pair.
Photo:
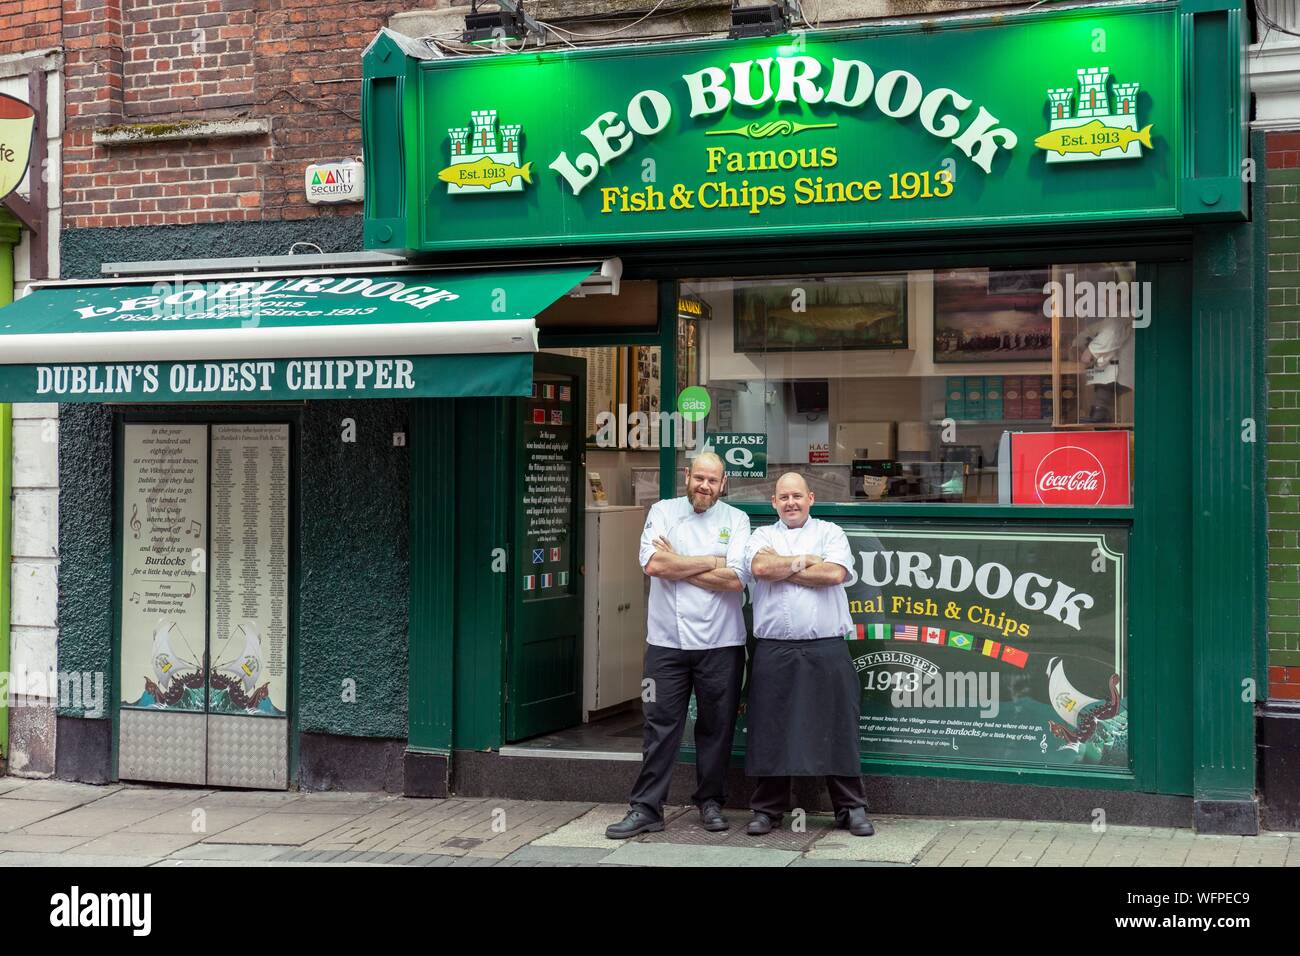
[(263, 336)]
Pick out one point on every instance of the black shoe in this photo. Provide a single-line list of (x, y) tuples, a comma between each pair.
[(711, 817), (637, 821), (761, 824), (855, 821)]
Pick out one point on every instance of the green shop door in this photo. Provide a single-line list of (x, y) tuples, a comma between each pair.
[(544, 642)]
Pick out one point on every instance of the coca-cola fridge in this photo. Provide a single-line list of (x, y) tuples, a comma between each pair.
[(1065, 468)]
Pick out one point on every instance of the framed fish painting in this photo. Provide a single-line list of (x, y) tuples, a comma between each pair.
[(840, 313)]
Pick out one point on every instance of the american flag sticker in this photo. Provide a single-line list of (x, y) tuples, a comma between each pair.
[(566, 393), (539, 416), (904, 632)]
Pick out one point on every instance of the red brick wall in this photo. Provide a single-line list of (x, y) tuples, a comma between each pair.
[(193, 57), (29, 25), (294, 62)]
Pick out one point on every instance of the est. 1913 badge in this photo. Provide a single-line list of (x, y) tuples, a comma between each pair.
[(1092, 130), (485, 157)]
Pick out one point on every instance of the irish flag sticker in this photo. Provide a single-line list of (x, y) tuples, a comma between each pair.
[(17, 129)]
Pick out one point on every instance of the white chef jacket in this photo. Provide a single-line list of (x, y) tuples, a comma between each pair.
[(686, 616), (794, 612), (1111, 342)]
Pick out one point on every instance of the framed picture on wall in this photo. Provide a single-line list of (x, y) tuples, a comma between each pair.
[(602, 385), (991, 315), (840, 313), (644, 382)]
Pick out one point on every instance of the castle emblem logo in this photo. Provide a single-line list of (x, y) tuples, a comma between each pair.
[(485, 157), (1094, 130)]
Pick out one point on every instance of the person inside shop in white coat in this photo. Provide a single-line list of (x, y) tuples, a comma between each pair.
[(804, 695), (693, 548)]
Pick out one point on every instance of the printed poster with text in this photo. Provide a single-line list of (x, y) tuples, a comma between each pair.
[(1002, 646), (250, 570), (164, 577)]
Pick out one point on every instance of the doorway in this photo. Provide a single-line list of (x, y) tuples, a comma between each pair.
[(203, 603), (544, 649)]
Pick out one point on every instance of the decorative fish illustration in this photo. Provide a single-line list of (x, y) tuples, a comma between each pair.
[(1095, 137), (248, 666), (485, 172), (166, 663)]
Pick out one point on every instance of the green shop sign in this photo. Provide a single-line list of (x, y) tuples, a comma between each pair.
[(271, 380), (1037, 117), (267, 337)]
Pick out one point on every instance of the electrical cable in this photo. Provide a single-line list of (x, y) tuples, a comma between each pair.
[(1272, 24), (610, 33)]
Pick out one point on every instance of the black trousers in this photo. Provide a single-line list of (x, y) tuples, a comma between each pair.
[(715, 676), (772, 795)]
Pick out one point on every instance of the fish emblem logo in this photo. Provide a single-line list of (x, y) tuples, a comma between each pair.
[(486, 172), (485, 157), (1103, 124)]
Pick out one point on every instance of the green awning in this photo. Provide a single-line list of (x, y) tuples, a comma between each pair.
[(274, 336)]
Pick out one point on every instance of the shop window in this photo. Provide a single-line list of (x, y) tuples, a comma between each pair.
[(986, 385)]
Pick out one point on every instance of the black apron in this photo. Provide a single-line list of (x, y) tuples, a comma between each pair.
[(803, 709)]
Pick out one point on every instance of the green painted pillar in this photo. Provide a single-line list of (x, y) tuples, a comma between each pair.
[(430, 625), (1227, 528)]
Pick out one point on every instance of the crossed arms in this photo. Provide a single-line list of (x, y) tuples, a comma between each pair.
[(810, 570), (706, 571)]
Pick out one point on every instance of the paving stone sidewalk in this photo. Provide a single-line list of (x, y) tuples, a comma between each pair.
[(54, 823)]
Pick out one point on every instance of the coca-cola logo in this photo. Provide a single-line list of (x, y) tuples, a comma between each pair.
[(1070, 475)]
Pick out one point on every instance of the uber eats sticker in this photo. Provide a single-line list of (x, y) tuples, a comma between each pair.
[(744, 454)]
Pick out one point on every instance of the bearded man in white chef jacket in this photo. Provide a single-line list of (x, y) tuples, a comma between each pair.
[(804, 695), (693, 549)]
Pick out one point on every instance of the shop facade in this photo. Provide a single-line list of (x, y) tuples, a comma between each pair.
[(989, 284), (861, 215)]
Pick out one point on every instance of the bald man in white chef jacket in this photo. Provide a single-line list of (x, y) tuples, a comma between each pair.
[(804, 695)]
